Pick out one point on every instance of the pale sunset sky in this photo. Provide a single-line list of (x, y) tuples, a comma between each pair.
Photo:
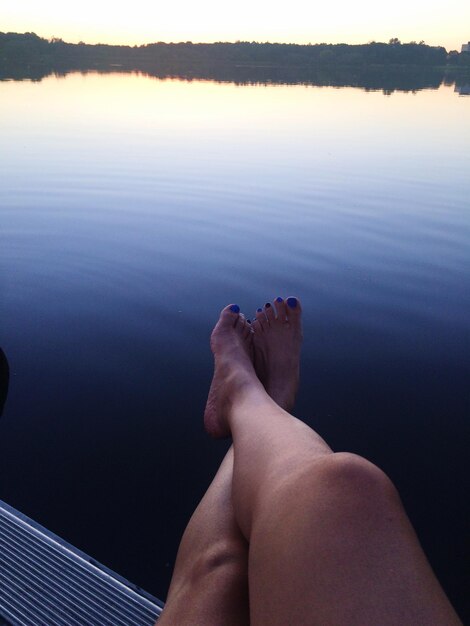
[(295, 21)]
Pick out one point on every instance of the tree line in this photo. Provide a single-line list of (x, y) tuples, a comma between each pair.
[(29, 49)]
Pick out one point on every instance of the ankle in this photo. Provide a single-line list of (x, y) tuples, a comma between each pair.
[(250, 396)]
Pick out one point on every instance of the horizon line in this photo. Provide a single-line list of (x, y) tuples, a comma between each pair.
[(322, 43)]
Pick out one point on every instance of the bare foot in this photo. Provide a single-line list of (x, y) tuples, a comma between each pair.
[(277, 340), (234, 374)]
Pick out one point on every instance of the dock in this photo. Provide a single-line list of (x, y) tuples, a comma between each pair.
[(44, 581)]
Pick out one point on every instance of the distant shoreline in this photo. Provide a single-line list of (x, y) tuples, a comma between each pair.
[(29, 46), (372, 65), (391, 42)]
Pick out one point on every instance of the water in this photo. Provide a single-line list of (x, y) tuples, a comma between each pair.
[(134, 208)]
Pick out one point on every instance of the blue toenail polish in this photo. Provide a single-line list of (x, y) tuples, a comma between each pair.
[(292, 302), (279, 299), (259, 310), (267, 305), (235, 308), (248, 321)]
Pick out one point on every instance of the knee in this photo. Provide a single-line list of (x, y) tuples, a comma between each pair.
[(350, 471), (335, 488), (355, 482)]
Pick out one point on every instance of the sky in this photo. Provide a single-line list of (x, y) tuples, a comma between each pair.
[(293, 21)]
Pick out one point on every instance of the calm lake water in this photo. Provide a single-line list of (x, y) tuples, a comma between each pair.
[(132, 209)]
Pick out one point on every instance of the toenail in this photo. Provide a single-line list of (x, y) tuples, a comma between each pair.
[(248, 321), (279, 299), (267, 305), (235, 308), (292, 302), (259, 310)]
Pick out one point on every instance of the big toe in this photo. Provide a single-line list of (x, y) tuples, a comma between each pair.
[(293, 310), (230, 315)]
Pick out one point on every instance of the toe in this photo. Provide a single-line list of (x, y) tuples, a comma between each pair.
[(230, 315), (255, 326), (261, 320), (269, 312), (241, 322), (247, 330), (281, 309), (293, 309)]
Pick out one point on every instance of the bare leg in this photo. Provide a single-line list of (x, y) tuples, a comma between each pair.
[(210, 582), (329, 540)]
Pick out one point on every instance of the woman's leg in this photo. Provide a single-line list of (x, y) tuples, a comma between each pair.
[(209, 586), (329, 540), (210, 581)]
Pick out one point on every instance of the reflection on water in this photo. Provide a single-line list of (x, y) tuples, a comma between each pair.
[(387, 79), (133, 209)]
